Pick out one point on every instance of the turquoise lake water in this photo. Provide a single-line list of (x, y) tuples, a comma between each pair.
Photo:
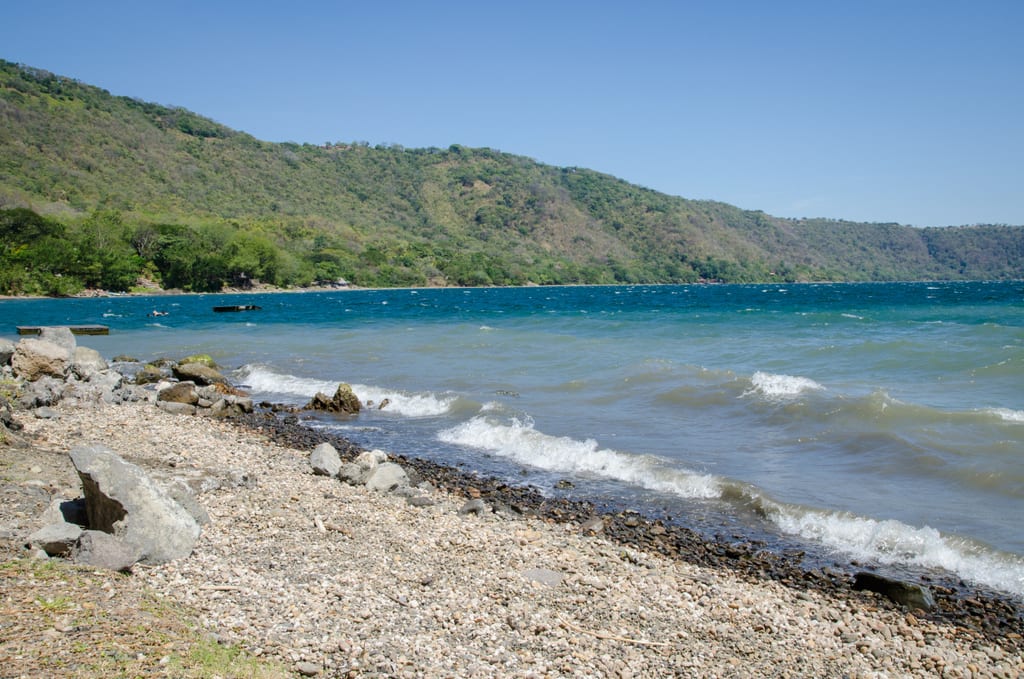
[(879, 422)]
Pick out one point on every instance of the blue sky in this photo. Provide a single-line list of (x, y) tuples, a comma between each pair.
[(902, 111)]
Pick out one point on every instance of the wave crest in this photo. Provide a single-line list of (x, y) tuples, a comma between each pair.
[(261, 379), (780, 387), (894, 542), (520, 441)]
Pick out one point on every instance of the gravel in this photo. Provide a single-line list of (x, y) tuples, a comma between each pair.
[(335, 580)]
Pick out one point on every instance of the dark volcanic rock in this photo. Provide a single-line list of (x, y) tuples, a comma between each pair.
[(905, 593), (343, 401)]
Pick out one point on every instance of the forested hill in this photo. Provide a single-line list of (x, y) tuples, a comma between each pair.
[(97, 190)]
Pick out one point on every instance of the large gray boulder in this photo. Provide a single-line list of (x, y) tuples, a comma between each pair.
[(35, 358), (86, 362), (325, 460), (198, 373), (386, 478), (122, 500)]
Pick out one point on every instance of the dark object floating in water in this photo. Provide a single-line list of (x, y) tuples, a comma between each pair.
[(76, 329), (154, 313), (236, 307)]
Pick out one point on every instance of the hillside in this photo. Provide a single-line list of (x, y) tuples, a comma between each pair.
[(97, 189)]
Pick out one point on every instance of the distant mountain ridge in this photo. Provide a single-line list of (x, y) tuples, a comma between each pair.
[(149, 179)]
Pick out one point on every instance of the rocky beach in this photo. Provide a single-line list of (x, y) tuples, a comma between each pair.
[(309, 567)]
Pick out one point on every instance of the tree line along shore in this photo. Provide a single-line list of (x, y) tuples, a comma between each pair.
[(98, 191)]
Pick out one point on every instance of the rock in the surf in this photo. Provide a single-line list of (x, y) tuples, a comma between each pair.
[(343, 401), (151, 374), (906, 593)]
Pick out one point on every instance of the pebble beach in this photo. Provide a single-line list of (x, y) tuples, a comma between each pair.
[(335, 580)]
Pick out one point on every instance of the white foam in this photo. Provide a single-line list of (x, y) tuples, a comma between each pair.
[(518, 440), (1007, 415), (407, 405), (776, 387), (263, 379), (893, 542)]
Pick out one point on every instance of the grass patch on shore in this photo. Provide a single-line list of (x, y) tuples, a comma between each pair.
[(58, 619), (208, 659)]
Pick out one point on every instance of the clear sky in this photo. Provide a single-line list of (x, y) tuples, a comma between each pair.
[(895, 111)]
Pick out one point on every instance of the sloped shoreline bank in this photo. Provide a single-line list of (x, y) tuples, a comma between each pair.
[(318, 574), (992, 613)]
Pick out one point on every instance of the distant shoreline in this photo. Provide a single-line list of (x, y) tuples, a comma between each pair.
[(91, 294)]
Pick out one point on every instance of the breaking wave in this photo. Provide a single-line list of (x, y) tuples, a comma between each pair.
[(885, 541), (264, 381)]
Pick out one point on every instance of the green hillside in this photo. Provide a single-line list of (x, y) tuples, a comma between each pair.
[(96, 190)]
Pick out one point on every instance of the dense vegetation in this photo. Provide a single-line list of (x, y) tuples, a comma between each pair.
[(98, 190)]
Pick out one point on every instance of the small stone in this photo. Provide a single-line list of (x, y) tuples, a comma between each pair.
[(544, 576), (102, 550), (307, 669), (476, 506), (57, 538)]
